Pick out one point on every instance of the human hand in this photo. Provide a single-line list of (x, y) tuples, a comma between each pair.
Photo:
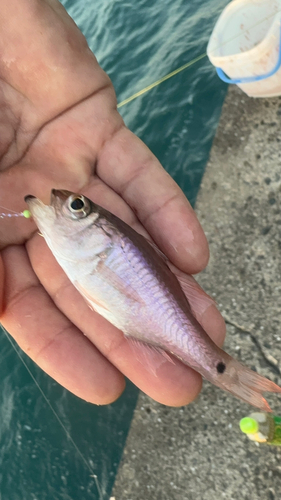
[(59, 128)]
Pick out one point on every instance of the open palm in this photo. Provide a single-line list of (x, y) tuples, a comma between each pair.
[(59, 128)]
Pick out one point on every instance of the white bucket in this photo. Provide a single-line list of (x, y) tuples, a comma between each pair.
[(246, 45)]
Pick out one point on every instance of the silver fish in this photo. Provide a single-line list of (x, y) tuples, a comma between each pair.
[(126, 280)]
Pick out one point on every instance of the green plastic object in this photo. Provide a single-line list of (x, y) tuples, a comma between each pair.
[(262, 427), (249, 425), (26, 214)]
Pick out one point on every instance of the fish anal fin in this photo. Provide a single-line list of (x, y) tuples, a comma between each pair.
[(151, 356), (92, 301)]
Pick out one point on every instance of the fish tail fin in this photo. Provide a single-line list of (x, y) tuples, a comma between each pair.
[(248, 385)]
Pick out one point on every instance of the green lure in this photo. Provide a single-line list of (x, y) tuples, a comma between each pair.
[(262, 428)]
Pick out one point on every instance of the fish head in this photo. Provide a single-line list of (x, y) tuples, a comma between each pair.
[(69, 224)]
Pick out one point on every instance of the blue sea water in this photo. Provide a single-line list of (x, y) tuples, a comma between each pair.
[(136, 43)]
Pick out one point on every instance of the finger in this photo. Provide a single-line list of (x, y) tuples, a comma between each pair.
[(171, 384), (50, 339), (106, 197), (2, 280), (128, 166)]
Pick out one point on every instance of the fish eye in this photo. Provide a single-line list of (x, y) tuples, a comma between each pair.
[(78, 206)]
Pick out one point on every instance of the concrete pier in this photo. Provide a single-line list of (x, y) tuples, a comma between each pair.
[(198, 452)]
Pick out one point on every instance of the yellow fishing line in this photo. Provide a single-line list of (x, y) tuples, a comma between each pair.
[(161, 80)]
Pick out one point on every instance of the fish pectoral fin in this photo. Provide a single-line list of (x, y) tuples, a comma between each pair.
[(98, 306), (93, 302), (150, 356), (119, 284)]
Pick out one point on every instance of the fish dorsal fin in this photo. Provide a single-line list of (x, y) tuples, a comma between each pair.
[(157, 250), (196, 297)]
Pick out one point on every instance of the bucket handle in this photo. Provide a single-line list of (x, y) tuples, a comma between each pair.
[(250, 79)]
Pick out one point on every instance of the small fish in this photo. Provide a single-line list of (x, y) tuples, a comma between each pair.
[(127, 280)]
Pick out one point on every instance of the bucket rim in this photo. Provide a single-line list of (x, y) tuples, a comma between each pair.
[(260, 48)]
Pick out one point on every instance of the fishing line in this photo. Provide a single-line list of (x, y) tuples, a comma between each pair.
[(25, 213), (189, 64), (79, 452), (1, 206), (161, 80)]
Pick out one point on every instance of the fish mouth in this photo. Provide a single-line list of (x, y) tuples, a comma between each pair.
[(38, 209), (29, 197), (58, 198), (56, 194), (32, 201)]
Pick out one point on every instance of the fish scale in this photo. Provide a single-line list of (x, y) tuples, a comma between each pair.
[(149, 286)]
